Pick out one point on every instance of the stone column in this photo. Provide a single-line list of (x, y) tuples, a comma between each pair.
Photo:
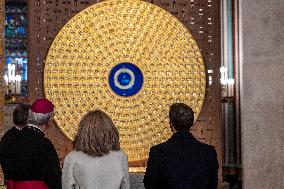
[(2, 86), (262, 93)]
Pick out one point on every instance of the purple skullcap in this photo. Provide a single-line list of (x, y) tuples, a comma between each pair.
[(43, 106)]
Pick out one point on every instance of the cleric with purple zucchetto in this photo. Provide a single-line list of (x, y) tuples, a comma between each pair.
[(31, 161)]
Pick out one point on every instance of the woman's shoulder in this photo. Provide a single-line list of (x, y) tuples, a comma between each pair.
[(74, 155), (119, 153), (123, 153)]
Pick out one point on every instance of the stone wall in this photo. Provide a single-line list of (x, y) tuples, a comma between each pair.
[(262, 93)]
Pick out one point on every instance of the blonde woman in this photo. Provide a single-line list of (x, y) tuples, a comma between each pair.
[(96, 161)]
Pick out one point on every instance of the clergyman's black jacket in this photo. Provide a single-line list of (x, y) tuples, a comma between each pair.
[(29, 156)]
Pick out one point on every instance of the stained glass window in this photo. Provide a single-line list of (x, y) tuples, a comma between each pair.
[(16, 48)]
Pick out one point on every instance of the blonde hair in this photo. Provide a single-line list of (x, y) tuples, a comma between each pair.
[(96, 135)]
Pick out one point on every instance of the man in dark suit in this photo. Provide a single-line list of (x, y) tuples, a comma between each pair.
[(20, 118), (182, 162)]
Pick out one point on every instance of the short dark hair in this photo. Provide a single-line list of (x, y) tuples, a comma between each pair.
[(181, 116), (21, 114)]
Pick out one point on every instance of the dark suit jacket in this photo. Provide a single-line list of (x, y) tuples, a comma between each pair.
[(182, 162), (29, 156)]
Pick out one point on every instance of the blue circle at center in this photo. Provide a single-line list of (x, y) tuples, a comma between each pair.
[(125, 79)]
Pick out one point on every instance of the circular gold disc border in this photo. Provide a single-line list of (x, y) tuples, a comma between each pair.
[(114, 31)]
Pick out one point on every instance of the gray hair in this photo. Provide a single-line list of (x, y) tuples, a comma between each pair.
[(39, 118)]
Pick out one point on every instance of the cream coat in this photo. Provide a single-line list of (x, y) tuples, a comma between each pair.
[(85, 172)]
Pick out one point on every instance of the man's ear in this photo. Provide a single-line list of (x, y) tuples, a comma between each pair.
[(172, 128)]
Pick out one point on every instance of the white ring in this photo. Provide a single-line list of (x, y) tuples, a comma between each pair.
[(124, 70)]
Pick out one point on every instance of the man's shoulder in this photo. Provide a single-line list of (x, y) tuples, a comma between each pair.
[(13, 132), (7, 134), (207, 152), (195, 146), (46, 142), (159, 146), (162, 147), (205, 146), (32, 136)]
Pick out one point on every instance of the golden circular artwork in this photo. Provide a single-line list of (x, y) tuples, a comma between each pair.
[(109, 49)]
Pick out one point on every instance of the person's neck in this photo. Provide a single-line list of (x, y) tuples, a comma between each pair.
[(183, 131), (180, 131), (19, 127), (40, 127)]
